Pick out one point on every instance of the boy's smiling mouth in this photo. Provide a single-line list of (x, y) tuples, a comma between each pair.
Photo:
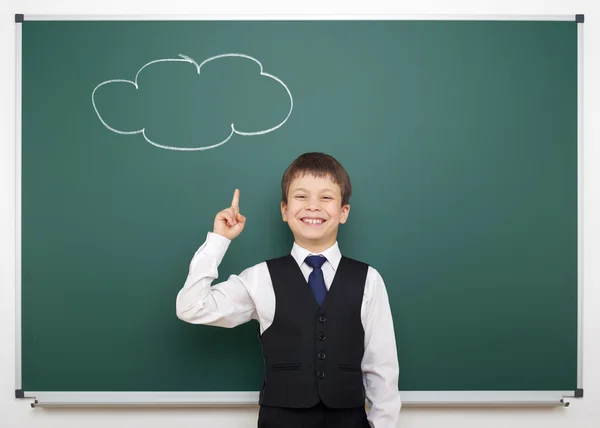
[(312, 221)]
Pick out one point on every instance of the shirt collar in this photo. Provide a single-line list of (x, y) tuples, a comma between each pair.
[(332, 254)]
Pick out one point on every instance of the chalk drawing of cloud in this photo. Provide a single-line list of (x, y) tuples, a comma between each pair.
[(187, 59)]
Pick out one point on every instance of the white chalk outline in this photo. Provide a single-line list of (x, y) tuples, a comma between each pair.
[(185, 58)]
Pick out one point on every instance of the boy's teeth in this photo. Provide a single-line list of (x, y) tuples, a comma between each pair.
[(313, 221)]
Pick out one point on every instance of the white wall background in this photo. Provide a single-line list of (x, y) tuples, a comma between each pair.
[(583, 413)]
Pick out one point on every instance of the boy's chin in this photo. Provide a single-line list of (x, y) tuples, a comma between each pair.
[(311, 234), (314, 238)]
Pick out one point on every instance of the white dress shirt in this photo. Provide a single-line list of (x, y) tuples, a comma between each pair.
[(250, 295)]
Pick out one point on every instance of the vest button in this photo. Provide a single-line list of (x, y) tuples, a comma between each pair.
[(322, 318), (320, 375), (322, 336), (321, 355)]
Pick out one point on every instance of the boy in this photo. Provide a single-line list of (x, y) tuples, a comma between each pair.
[(325, 323)]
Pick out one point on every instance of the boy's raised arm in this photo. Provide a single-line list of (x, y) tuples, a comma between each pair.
[(228, 303)]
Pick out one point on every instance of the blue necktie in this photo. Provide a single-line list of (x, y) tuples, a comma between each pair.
[(316, 282)]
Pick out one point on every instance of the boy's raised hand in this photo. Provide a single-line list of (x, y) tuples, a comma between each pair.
[(229, 222)]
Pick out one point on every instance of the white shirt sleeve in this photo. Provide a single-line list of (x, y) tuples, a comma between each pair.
[(226, 304), (380, 360)]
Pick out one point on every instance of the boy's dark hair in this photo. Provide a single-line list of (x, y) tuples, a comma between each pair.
[(319, 165)]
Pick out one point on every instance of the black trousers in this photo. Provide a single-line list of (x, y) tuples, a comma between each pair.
[(318, 416)]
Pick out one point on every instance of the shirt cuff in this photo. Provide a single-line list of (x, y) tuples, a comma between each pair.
[(215, 246)]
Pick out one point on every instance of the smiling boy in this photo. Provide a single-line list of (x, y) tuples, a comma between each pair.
[(325, 323)]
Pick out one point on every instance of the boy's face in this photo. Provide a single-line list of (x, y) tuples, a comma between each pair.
[(314, 211)]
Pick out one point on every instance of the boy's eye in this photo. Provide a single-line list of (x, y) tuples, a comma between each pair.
[(327, 197), (300, 197)]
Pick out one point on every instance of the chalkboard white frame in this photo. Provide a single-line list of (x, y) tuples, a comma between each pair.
[(212, 399)]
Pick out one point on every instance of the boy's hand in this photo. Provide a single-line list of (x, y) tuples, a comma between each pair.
[(229, 222)]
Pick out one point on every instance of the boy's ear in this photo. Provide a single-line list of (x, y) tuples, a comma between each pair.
[(284, 211), (345, 213)]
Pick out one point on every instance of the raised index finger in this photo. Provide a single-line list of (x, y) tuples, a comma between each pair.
[(235, 203)]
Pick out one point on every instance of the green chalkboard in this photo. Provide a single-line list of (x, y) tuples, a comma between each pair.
[(460, 138)]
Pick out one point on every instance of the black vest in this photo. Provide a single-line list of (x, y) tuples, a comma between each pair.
[(314, 353)]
